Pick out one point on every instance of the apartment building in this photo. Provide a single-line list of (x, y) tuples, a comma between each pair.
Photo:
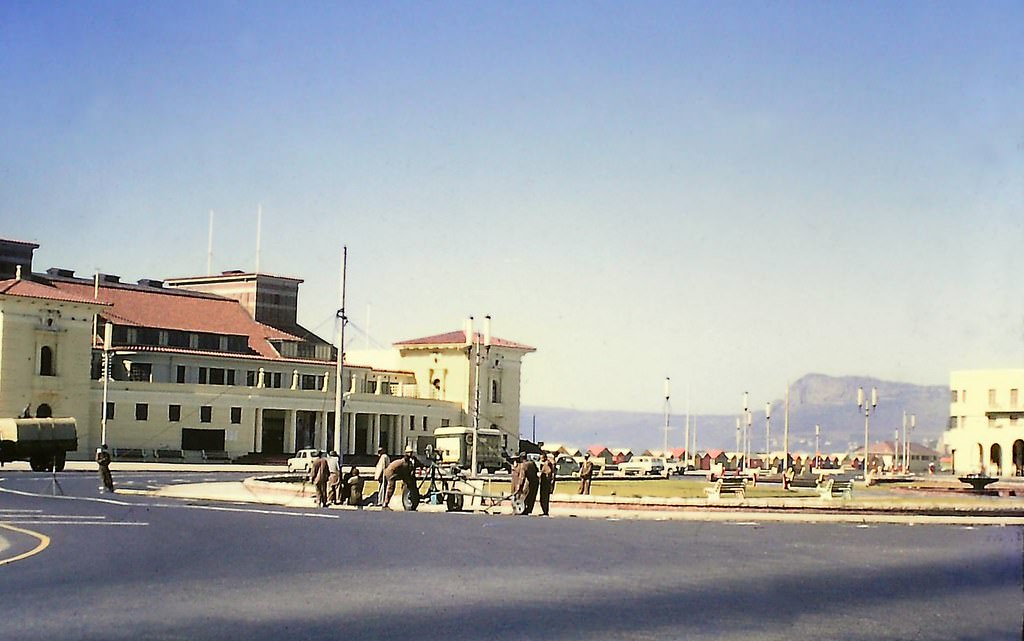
[(986, 422)]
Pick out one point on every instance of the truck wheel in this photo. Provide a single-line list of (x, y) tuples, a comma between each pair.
[(58, 461), (454, 501), (518, 505), (37, 463), (410, 499)]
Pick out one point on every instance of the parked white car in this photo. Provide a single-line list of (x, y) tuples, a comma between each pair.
[(302, 461), (643, 466)]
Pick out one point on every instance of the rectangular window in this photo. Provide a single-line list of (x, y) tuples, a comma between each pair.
[(276, 382), (445, 422), (147, 336), (495, 391), (177, 339), (236, 415), (181, 374), (953, 396), (952, 422), (141, 411), (308, 381), (412, 423), (250, 378), (202, 376), (174, 413), (210, 342), (424, 423), (140, 372), (110, 410), (216, 376), (991, 397), (1014, 397), (206, 414), (230, 376), (196, 439), (238, 344)]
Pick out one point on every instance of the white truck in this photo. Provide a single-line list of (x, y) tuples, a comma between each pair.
[(43, 442), (643, 466), (455, 445)]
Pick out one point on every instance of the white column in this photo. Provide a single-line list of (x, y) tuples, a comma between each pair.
[(350, 427), (258, 444), (290, 427), (374, 432)]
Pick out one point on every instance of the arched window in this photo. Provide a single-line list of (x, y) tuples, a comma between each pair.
[(44, 411), (46, 361), (996, 458)]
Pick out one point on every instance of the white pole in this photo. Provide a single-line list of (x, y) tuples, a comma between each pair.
[(785, 433), (259, 233), (767, 435), (664, 446), (339, 367), (209, 248), (108, 333)]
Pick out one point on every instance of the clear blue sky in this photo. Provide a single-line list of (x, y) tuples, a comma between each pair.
[(730, 194)]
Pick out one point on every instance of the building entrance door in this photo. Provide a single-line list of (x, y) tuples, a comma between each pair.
[(273, 432)]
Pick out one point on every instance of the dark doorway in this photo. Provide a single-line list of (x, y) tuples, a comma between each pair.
[(273, 432), (1018, 458), (305, 430), (363, 434)]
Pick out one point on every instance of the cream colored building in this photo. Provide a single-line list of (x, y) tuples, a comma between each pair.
[(986, 422), (220, 364)]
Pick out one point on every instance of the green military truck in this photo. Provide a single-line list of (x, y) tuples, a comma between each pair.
[(43, 442)]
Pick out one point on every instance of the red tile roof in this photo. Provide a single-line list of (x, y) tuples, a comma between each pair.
[(141, 306), (31, 289), (458, 337)]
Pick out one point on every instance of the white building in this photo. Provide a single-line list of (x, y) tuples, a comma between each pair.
[(219, 363), (985, 432)]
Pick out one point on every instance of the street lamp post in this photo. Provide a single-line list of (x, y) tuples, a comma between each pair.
[(867, 406), (817, 446), (746, 431), (906, 440), (767, 435)]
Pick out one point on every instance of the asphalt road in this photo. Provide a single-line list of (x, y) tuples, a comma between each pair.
[(137, 567)]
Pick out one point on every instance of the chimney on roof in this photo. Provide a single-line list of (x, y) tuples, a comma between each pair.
[(151, 282), (110, 278), (63, 273)]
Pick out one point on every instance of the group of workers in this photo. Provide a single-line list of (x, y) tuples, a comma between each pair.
[(333, 487), (532, 478)]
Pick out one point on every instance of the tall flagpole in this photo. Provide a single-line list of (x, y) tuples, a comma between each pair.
[(339, 378)]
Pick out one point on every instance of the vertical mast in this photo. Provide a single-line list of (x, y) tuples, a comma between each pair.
[(339, 369), (259, 233), (668, 410), (785, 433), (209, 248)]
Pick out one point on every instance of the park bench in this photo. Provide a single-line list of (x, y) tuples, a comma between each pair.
[(216, 455), (169, 455), (129, 454), (836, 489), (727, 486)]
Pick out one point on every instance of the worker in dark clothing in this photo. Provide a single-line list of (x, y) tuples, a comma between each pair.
[(400, 470), (547, 482), (103, 460), (529, 483), (586, 474), (319, 475), (352, 487)]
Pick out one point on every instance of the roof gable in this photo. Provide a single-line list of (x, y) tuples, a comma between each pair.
[(458, 338)]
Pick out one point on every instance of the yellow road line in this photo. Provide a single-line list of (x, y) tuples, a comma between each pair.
[(44, 542)]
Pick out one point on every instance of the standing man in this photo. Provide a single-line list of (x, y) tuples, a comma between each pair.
[(378, 474), (400, 470), (547, 482), (334, 478), (319, 475), (103, 460), (586, 474), (530, 483)]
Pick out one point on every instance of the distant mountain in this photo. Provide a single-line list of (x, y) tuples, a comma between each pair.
[(814, 399)]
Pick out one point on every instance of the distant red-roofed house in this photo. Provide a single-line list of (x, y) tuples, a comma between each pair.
[(601, 452)]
